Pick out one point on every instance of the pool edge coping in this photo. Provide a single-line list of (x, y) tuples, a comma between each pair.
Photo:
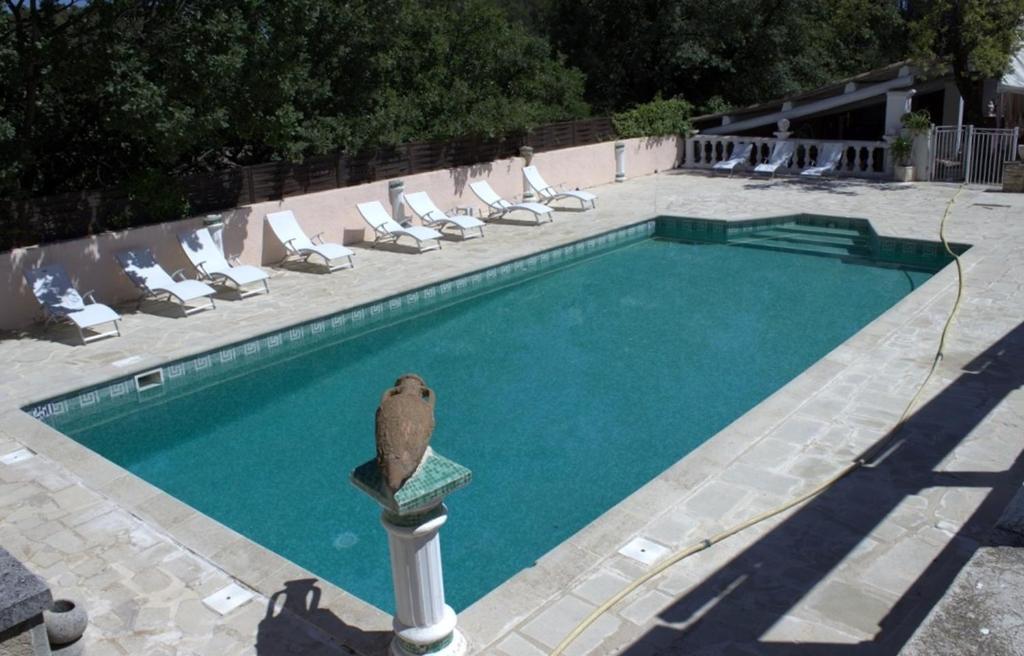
[(133, 493)]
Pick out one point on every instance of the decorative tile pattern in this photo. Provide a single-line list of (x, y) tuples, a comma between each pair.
[(182, 376), (85, 406)]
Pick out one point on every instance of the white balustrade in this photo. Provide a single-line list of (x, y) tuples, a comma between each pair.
[(861, 159)]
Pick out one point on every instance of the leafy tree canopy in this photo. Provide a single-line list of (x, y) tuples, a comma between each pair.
[(973, 37), (716, 54), (94, 93)]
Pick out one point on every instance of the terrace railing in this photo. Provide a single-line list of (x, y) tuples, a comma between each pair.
[(77, 214), (862, 159)]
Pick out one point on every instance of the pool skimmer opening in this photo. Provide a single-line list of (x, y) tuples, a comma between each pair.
[(148, 380), (644, 550), (228, 599)]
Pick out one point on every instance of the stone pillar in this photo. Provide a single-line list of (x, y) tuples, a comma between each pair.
[(526, 152), (215, 224), (897, 103), (620, 161), (396, 194), (921, 156), (413, 516)]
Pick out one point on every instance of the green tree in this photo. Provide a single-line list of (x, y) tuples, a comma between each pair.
[(728, 52), (975, 38), (112, 92)]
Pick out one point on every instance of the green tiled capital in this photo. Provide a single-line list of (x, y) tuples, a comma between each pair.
[(435, 479)]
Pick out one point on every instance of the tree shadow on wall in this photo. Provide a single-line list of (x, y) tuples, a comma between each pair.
[(296, 624)]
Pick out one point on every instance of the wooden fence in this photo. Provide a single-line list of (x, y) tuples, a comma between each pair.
[(77, 214)]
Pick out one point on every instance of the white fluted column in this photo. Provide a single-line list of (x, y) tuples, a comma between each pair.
[(620, 161), (396, 195), (423, 622), (526, 152)]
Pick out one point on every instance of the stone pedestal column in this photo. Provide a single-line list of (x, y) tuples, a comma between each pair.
[(412, 517), (396, 194), (422, 619), (620, 161), (526, 152), (783, 132)]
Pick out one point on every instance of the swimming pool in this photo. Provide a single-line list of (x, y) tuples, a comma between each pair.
[(565, 381)]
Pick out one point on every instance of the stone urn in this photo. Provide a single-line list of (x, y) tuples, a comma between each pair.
[(65, 623)]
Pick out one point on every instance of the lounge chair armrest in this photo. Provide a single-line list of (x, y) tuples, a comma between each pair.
[(179, 274), (318, 237), (233, 259), (287, 244), (91, 295)]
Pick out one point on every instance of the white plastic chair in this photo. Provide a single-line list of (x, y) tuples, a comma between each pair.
[(296, 244), (432, 217), (52, 287), (549, 194), (499, 207), (386, 229), (740, 155), (206, 257), (146, 273)]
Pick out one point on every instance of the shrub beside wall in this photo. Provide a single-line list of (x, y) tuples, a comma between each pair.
[(657, 118)]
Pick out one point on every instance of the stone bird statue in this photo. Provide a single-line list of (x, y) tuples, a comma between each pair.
[(405, 422)]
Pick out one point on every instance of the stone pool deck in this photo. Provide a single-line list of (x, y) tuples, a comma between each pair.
[(860, 569)]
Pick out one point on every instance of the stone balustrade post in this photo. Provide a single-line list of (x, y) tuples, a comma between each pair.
[(620, 161)]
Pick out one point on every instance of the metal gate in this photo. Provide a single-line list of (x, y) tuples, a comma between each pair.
[(971, 154)]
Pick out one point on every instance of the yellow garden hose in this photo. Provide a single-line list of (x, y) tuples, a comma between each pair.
[(859, 462)]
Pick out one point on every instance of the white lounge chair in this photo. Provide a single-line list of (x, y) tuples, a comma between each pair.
[(146, 273), (386, 229), (211, 264), (296, 244), (432, 217), (500, 207), (61, 302), (829, 156), (740, 155), (781, 154), (549, 194)]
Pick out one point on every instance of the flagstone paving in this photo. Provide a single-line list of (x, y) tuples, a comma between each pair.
[(866, 567)]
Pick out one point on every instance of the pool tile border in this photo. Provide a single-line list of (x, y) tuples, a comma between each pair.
[(190, 374)]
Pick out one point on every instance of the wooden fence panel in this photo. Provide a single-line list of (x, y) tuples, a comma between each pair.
[(77, 214)]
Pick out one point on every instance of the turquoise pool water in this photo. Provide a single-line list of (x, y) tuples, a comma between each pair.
[(563, 393)]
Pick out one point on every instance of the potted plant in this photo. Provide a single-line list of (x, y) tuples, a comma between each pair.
[(901, 149), (917, 122)]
